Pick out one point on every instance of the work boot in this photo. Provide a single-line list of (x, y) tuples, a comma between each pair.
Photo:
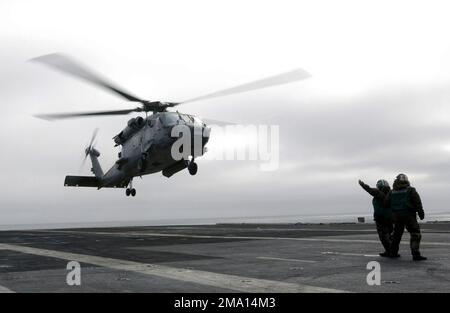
[(419, 258), (384, 254), (394, 255)]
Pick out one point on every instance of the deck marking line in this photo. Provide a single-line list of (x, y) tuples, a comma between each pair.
[(5, 290), (226, 281), (136, 234), (283, 259), (350, 254)]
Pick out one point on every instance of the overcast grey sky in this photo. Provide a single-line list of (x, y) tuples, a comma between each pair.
[(377, 104)]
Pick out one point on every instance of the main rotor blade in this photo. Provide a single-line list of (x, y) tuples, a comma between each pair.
[(57, 116), (67, 65), (279, 79)]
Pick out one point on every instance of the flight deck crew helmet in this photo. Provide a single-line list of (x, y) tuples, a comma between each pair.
[(382, 184), (402, 178)]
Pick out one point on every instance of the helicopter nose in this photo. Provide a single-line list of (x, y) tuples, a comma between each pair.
[(200, 138), (206, 134)]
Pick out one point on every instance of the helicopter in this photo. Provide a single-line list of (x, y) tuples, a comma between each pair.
[(146, 142)]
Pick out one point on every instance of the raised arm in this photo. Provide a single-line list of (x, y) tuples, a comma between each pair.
[(374, 192)]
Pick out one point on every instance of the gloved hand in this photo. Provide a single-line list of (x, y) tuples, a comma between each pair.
[(360, 182), (421, 214)]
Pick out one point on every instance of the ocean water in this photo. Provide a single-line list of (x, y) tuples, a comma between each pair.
[(281, 219)]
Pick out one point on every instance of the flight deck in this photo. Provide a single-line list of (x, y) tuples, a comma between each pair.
[(220, 258)]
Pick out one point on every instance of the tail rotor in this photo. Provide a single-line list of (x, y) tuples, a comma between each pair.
[(90, 148)]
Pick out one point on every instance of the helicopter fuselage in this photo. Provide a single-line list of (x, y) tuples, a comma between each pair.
[(147, 147)]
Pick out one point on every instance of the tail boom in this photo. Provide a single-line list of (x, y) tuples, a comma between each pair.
[(92, 181), (82, 181)]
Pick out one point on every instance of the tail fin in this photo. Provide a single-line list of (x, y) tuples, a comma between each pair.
[(96, 168)]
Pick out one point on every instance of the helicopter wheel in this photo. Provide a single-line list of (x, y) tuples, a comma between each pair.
[(133, 192), (128, 192), (192, 168)]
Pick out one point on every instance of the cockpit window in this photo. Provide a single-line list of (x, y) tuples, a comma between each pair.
[(169, 119), (198, 121), (187, 118)]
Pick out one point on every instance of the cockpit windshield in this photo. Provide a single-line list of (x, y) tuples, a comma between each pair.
[(169, 119), (187, 118), (190, 119), (198, 121)]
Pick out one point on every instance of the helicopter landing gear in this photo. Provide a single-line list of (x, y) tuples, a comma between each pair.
[(130, 191), (192, 167)]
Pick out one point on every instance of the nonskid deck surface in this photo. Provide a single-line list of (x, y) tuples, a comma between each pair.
[(220, 258)]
